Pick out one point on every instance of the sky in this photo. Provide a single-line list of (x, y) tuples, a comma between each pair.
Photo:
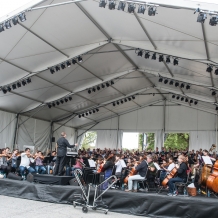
[(130, 140)]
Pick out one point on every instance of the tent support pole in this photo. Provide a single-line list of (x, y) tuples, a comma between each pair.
[(118, 128), (15, 132), (51, 135), (164, 120)]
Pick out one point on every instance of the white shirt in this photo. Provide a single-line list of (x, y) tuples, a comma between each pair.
[(25, 160), (171, 166), (120, 164)]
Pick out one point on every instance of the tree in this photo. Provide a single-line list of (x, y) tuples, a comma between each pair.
[(141, 141), (89, 139), (177, 141), (150, 141)]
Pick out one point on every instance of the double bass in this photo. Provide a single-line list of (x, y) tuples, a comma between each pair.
[(170, 176), (212, 181)]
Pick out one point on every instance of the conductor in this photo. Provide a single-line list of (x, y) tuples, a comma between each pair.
[(62, 145)]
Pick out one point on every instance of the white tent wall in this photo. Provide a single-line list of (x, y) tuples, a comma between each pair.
[(7, 129)]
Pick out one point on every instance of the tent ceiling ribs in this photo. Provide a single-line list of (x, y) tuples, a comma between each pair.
[(43, 39)]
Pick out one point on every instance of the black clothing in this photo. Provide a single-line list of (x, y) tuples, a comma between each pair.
[(142, 168), (62, 146), (182, 171), (59, 165), (108, 165)]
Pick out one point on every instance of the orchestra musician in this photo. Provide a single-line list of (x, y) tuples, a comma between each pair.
[(14, 157), (4, 162), (39, 167), (181, 175), (62, 145)]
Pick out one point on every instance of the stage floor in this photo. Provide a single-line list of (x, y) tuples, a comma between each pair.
[(141, 204)]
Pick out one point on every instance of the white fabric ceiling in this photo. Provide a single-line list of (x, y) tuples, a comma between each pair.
[(107, 41)]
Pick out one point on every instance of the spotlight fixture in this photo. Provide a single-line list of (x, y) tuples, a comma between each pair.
[(80, 59), (131, 8), (186, 100), (112, 4), (107, 84), (171, 82), (201, 17), (165, 81), (98, 88), (93, 89), (62, 101), (52, 70), (176, 84), (74, 61), (213, 21), (102, 3), (141, 9), (14, 86), (175, 62), (79, 116), (140, 53), (161, 58), (182, 85), (83, 115), (118, 102), (121, 101), (15, 20), (121, 6), (213, 92), (196, 102), (4, 90), (63, 66), (57, 68), (191, 101), (188, 86), (112, 82), (53, 104), (66, 100), (153, 56), (114, 104), (49, 105), (168, 59), (133, 97), (89, 91), (129, 99), (125, 100), (23, 82), (57, 102), (173, 96), (93, 111), (97, 110), (147, 55), (216, 72), (177, 97), (8, 24), (152, 11), (9, 88), (87, 114), (22, 17), (70, 98), (68, 64), (182, 98), (28, 80), (18, 84), (209, 69), (102, 86), (1, 28), (160, 80), (90, 112)]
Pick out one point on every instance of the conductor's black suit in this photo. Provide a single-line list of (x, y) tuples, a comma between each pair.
[(62, 145)]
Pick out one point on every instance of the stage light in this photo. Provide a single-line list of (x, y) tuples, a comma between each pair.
[(98, 88), (175, 62), (140, 53), (18, 84), (93, 111), (112, 4), (8, 24), (70, 98), (209, 69), (121, 6), (114, 104), (107, 84), (147, 55), (28, 80), (133, 97), (89, 91), (216, 108), (121, 101), (201, 17), (79, 116), (52, 70), (213, 21), (176, 84), (177, 97), (49, 105), (161, 59), (165, 81), (171, 82), (153, 56), (62, 101), (97, 110), (74, 61), (168, 59), (191, 101), (182, 85), (93, 89), (83, 115), (182, 99), (15, 20), (9, 88), (160, 80), (102, 86), (53, 104), (80, 59), (118, 102), (125, 100), (68, 64), (57, 102), (102, 3), (141, 9), (14, 86), (173, 96), (23, 82), (63, 66), (216, 72), (131, 8), (90, 112), (112, 82), (4, 90), (57, 68), (1, 28), (129, 99), (188, 86), (22, 17), (66, 100), (196, 102), (213, 93), (151, 11), (87, 114), (186, 100)]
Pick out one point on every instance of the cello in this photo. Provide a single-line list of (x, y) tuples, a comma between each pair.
[(132, 172), (170, 176), (212, 181)]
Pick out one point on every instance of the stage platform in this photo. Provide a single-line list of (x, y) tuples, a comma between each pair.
[(141, 204)]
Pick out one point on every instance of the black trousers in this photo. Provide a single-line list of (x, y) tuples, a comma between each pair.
[(59, 165)]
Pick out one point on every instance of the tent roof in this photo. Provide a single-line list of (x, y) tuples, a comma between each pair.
[(107, 41)]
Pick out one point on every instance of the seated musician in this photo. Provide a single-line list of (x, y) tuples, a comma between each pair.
[(50, 166), (39, 167), (4, 168), (100, 164), (151, 174), (206, 153), (78, 165), (26, 158), (142, 171), (14, 157), (181, 175)]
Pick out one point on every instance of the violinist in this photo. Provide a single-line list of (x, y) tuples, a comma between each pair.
[(163, 171), (100, 164), (14, 157), (119, 165), (4, 162), (39, 164), (181, 175)]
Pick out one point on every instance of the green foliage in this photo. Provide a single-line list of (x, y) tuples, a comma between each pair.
[(177, 141), (150, 141), (89, 138), (141, 140)]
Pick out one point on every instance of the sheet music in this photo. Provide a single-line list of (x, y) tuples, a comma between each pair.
[(207, 160), (157, 166), (91, 163)]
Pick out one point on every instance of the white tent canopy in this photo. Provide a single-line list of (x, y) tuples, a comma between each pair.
[(107, 40)]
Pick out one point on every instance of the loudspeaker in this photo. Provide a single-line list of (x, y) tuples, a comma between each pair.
[(53, 139), (50, 179), (30, 177), (73, 182), (14, 176)]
